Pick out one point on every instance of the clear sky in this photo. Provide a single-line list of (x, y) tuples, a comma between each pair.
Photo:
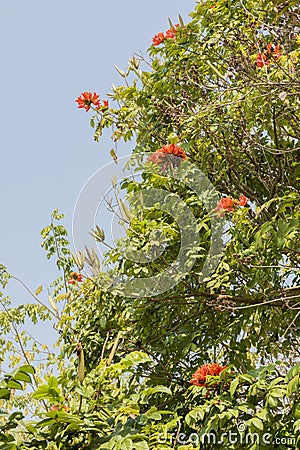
[(50, 53)]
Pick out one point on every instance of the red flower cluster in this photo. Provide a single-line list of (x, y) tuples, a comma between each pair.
[(158, 39), (199, 378), (75, 277), (170, 34), (58, 408), (272, 51), (170, 149), (87, 99), (228, 204), (160, 157), (243, 200)]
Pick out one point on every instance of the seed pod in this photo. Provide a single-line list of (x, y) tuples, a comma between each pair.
[(52, 303), (80, 355)]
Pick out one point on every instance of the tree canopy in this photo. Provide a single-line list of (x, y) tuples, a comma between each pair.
[(207, 356)]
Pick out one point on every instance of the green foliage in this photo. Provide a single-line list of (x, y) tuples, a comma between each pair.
[(121, 375), (55, 243)]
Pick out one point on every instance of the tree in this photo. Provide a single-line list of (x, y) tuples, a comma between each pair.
[(211, 361)]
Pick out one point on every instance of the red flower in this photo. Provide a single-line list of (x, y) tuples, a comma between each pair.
[(86, 99), (228, 204), (274, 51), (54, 408), (225, 204), (262, 60), (74, 276), (243, 200), (105, 103), (158, 39), (159, 157), (58, 408), (171, 33), (173, 149), (199, 378)]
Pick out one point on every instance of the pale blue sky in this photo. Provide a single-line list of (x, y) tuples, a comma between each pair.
[(51, 52)]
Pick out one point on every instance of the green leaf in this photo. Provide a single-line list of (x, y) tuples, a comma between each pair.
[(12, 384), (262, 414), (141, 445), (293, 386), (45, 392), (297, 426), (22, 376), (256, 422), (233, 386), (9, 447), (4, 393), (42, 392), (27, 369), (163, 389)]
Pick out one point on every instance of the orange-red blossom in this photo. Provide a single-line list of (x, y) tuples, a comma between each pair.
[(199, 378), (88, 99), (159, 157), (272, 51), (74, 276), (170, 149), (158, 39), (228, 204), (170, 34), (59, 408)]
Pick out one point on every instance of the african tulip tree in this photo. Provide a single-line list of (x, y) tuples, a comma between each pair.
[(209, 360)]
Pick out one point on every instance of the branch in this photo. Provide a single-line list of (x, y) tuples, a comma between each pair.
[(282, 299)]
